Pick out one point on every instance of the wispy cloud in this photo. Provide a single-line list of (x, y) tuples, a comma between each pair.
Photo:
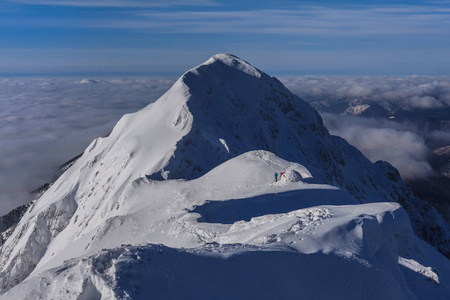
[(361, 20), (116, 3), (304, 20)]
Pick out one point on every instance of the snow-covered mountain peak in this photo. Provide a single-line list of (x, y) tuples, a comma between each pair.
[(208, 150), (226, 110)]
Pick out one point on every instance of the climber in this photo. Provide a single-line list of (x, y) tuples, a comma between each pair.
[(276, 176)]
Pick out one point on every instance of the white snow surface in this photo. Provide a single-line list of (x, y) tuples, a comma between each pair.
[(179, 201), (235, 62)]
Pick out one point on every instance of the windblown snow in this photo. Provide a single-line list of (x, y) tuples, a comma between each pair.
[(180, 201)]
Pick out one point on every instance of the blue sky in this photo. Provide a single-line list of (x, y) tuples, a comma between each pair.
[(120, 37)]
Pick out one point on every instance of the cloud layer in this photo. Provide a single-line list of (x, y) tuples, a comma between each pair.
[(405, 145), (384, 140), (388, 91)]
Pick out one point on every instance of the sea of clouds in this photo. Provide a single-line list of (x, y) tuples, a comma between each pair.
[(407, 91), (405, 145), (46, 122), (400, 144)]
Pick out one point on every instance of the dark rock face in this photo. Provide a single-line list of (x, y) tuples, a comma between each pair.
[(436, 189), (9, 221)]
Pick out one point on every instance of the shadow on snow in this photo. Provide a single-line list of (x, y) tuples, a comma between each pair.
[(231, 211)]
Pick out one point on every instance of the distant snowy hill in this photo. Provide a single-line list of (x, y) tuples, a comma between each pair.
[(179, 201)]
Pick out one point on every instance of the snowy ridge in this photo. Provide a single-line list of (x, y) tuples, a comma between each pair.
[(304, 257), (212, 144)]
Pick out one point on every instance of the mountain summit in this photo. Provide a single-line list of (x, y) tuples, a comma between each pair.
[(193, 172)]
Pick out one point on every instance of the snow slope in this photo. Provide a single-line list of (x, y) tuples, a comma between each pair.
[(316, 252), (357, 252), (194, 172)]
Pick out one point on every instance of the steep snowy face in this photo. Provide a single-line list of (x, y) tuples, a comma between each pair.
[(237, 108), (213, 114)]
